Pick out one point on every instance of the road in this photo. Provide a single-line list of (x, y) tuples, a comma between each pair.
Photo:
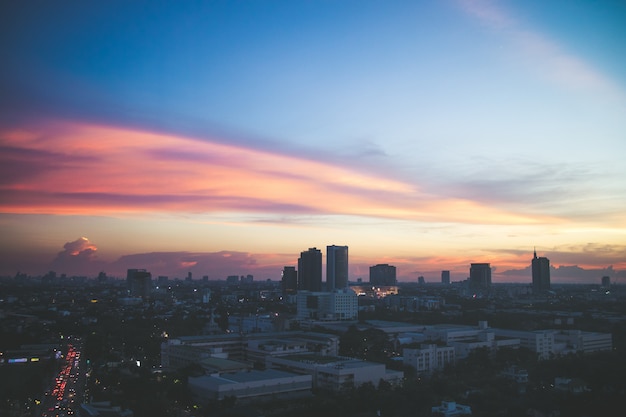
[(68, 387)]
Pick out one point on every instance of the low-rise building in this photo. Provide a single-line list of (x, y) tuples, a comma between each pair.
[(577, 341), (451, 409), (103, 409), (339, 304), (336, 373), (182, 351), (429, 357), (466, 339), (516, 374), (251, 384), (539, 341)]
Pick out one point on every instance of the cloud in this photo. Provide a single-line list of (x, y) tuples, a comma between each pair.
[(540, 53), (80, 248), (105, 170), (569, 274), (217, 265), (77, 258)]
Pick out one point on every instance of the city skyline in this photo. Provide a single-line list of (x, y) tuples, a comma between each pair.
[(225, 138)]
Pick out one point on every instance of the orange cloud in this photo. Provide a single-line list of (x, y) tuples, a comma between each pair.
[(75, 168)]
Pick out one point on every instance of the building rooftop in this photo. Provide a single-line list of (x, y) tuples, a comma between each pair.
[(212, 382)]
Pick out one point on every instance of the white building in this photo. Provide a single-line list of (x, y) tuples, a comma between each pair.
[(336, 373), (451, 409), (429, 357), (538, 341), (182, 351), (577, 341), (465, 339), (251, 384), (340, 304)]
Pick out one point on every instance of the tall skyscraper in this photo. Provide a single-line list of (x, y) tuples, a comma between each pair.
[(336, 267), (310, 270), (445, 277), (480, 276), (289, 281), (383, 274), (139, 282), (541, 273)]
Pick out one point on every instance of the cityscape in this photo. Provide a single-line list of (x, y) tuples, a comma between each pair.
[(279, 208), (151, 346)]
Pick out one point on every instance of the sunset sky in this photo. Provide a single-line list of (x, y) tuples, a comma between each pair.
[(225, 137)]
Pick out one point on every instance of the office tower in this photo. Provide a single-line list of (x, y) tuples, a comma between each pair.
[(336, 267), (480, 276), (445, 277), (606, 282), (421, 280), (139, 282), (383, 274), (541, 273), (289, 280), (310, 270)]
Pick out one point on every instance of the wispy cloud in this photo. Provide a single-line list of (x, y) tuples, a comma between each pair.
[(89, 169), (541, 53)]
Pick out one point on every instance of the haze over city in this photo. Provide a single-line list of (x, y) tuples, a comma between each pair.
[(225, 138)]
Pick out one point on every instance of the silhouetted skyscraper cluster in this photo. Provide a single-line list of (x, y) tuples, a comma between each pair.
[(308, 276)]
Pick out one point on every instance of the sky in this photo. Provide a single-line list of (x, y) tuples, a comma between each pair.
[(226, 137)]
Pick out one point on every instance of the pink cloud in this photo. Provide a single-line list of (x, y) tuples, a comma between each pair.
[(78, 257), (100, 170)]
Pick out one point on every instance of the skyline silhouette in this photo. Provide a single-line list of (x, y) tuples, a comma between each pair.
[(214, 136)]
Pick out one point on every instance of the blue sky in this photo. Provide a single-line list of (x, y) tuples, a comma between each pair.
[(449, 131)]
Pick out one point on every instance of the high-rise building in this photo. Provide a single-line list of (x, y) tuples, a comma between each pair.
[(606, 282), (445, 277), (289, 280), (139, 282), (541, 273), (480, 276), (336, 267), (310, 270), (383, 274)]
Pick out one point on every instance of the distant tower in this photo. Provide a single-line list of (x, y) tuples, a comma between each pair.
[(606, 282), (541, 273), (139, 282), (310, 270), (383, 274), (480, 276), (445, 277), (289, 281), (336, 267)]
